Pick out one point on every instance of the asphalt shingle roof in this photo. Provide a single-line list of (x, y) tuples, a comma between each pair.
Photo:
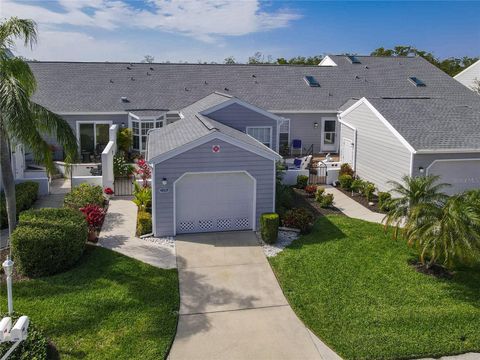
[(98, 87), (433, 124)]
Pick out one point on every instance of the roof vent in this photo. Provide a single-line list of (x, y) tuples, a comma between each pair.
[(132, 78), (416, 81), (151, 68), (124, 99), (129, 68), (353, 59), (357, 77), (254, 76), (226, 89), (206, 83), (366, 67), (111, 81), (185, 88), (311, 81)]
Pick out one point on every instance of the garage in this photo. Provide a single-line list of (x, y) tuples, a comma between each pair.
[(462, 174), (214, 201)]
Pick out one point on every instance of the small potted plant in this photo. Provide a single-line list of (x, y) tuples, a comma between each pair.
[(108, 192), (94, 215)]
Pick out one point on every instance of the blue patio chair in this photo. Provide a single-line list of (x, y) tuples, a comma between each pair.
[(296, 145), (297, 163)]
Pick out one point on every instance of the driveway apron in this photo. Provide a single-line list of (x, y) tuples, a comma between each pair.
[(231, 306)]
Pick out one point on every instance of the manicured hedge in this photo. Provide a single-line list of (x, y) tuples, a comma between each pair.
[(48, 241), (269, 223), (144, 223), (84, 194), (25, 193)]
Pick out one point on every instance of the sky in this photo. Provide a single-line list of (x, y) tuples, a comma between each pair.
[(211, 30)]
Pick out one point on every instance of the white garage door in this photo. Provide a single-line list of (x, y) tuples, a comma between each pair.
[(208, 202), (461, 174)]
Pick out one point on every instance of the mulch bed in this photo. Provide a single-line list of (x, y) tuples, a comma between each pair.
[(435, 270), (302, 199), (363, 201)]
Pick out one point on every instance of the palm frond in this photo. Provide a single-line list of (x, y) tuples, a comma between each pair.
[(15, 28)]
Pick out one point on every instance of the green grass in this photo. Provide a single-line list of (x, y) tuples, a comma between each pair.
[(108, 307), (352, 286)]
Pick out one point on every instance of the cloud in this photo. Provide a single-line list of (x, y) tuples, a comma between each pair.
[(202, 20)]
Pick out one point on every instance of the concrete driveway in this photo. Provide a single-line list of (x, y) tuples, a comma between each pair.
[(232, 306)]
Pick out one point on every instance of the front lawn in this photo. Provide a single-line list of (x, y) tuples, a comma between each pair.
[(107, 307), (351, 285)]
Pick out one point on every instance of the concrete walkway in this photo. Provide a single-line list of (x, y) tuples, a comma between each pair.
[(231, 306), (351, 208), (118, 234)]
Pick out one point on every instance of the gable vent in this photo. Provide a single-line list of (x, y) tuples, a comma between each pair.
[(416, 81), (353, 59), (311, 81)]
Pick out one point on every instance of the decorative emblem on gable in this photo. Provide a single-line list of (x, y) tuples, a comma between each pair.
[(216, 149)]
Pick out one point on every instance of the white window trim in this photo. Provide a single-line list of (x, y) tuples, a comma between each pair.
[(335, 144), (94, 122), (151, 119), (261, 127)]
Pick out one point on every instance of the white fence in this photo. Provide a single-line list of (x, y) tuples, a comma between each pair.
[(107, 158)]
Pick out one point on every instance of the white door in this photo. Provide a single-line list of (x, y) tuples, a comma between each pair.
[(329, 135), (346, 153), (461, 174), (206, 202)]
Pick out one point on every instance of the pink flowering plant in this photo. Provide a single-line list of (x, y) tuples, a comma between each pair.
[(108, 191), (144, 171), (94, 215)]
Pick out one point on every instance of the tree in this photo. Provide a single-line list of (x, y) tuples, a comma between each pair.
[(301, 60), (259, 58), (229, 60), (452, 66), (22, 120), (148, 59), (476, 85)]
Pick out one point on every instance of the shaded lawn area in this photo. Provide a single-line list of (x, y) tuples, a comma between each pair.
[(352, 286), (108, 307)]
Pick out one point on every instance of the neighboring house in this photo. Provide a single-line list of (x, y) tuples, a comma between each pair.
[(470, 77), (387, 138)]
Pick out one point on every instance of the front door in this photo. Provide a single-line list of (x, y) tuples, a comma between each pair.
[(329, 135), (346, 153)]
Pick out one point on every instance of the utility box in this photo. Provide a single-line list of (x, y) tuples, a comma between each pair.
[(332, 175), (19, 331), (5, 326)]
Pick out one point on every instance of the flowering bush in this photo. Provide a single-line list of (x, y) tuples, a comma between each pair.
[(108, 191), (143, 171), (298, 218), (94, 215), (311, 190)]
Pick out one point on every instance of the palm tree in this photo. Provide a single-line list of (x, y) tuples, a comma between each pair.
[(449, 232), (412, 192), (22, 120)]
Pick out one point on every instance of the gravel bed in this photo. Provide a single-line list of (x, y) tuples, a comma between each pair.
[(163, 241), (285, 238)]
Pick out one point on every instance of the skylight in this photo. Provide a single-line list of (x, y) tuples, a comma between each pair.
[(416, 81), (311, 81), (353, 59)]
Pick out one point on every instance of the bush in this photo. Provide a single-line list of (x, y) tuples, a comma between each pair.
[(319, 193), (124, 139), (368, 190), (298, 218), (311, 190), (357, 185), (326, 201), (25, 195), (48, 241), (142, 197), (346, 169), (384, 200), (144, 223), (345, 181), (284, 197), (302, 181), (94, 215), (83, 195), (35, 347), (269, 223), (120, 166)]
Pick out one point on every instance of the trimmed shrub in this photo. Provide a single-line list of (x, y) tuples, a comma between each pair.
[(346, 169), (326, 201), (25, 195), (35, 347), (83, 195), (298, 218), (48, 241), (345, 181), (311, 190), (319, 193), (269, 223), (357, 185), (302, 181), (368, 190), (284, 197), (144, 223), (384, 200)]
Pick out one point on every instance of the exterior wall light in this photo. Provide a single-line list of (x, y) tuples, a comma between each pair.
[(421, 169), (164, 181), (315, 125)]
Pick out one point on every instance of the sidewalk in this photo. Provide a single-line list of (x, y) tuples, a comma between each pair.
[(351, 208)]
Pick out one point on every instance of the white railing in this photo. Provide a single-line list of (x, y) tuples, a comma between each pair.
[(107, 158)]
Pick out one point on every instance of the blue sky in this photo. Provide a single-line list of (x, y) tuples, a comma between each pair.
[(210, 30)]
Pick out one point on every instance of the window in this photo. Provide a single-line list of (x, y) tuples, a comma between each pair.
[(416, 81), (353, 59), (93, 137), (262, 134), (311, 81), (284, 136), (140, 129), (329, 132)]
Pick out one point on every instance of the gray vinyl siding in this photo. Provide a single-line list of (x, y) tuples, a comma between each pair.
[(425, 160), (239, 117), (202, 159), (380, 156), (302, 128), (345, 132)]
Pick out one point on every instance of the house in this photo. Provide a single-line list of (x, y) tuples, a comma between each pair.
[(213, 133), (470, 77)]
